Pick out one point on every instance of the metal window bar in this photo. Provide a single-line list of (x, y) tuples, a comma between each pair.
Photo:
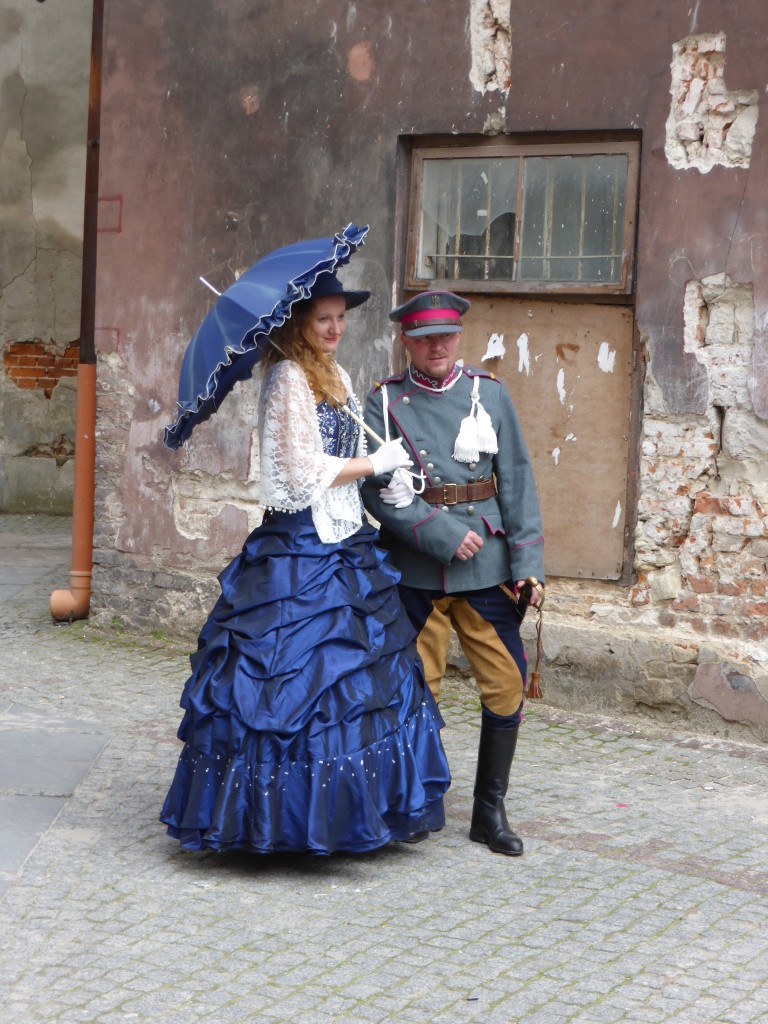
[(442, 233), (486, 263), (444, 260), (549, 196), (579, 265), (457, 233), (614, 275), (613, 256)]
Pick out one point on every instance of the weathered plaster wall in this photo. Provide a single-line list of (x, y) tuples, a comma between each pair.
[(44, 67), (232, 128)]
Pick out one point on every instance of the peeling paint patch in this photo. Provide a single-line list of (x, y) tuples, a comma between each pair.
[(707, 125), (360, 62), (496, 122), (495, 348), (490, 32), (198, 498), (561, 386), (606, 357), (565, 349), (556, 455), (249, 99), (617, 515), (106, 339), (524, 358)]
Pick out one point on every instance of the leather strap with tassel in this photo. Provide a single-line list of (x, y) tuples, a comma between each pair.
[(521, 603)]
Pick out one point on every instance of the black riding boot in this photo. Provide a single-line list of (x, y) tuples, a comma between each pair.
[(489, 818)]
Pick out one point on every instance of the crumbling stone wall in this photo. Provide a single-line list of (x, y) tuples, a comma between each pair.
[(491, 45), (490, 40), (702, 537), (707, 124), (44, 69)]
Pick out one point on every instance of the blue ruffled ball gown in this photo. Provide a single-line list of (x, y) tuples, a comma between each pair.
[(308, 725)]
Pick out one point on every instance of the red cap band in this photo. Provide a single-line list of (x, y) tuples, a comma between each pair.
[(451, 316)]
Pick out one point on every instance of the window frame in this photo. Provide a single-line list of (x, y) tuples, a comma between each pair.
[(449, 148)]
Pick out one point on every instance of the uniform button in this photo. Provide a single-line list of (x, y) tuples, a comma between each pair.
[(472, 465), (481, 478), (445, 508), (406, 400), (471, 480), (438, 480), (423, 451), (430, 465), (471, 510)]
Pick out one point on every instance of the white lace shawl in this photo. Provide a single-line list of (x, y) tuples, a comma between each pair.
[(295, 473)]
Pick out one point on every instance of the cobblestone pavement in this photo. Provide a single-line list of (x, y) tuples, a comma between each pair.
[(642, 895)]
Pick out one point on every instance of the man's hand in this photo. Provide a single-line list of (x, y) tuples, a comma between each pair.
[(469, 546), (537, 592), (399, 490)]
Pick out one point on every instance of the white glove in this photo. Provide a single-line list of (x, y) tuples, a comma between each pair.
[(388, 457), (399, 490)]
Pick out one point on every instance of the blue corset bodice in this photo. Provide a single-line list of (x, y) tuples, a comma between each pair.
[(338, 432)]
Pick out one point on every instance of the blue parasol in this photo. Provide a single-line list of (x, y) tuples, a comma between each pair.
[(229, 342)]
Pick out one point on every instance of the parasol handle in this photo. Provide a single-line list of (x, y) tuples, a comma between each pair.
[(379, 440), (208, 284), (361, 423)]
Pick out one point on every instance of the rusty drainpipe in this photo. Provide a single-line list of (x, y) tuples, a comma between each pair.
[(75, 602)]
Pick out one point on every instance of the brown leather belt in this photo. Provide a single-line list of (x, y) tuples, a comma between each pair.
[(455, 494)]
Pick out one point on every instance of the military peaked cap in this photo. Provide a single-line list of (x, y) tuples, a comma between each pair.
[(431, 313)]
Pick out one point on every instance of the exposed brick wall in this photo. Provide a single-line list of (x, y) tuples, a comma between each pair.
[(723, 560), (702, 537), (707, 124), (38, 364)]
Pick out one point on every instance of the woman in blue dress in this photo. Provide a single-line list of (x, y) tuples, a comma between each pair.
[(308, 725)]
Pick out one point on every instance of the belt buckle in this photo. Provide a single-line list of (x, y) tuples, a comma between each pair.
[(446, 499)]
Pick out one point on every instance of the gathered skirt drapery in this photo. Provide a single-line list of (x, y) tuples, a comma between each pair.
[(308, 725)]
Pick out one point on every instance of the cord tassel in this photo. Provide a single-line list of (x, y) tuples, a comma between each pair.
[(465, 448), (476, 433), (486, 435), (534, 690)]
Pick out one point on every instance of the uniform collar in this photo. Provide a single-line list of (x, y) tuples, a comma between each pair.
[(421, 380)]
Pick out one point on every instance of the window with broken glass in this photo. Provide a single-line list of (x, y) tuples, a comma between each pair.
[(514, 218)]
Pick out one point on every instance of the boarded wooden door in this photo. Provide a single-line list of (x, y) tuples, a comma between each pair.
[(568, 367)]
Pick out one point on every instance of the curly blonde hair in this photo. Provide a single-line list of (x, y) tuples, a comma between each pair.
[(295, 340)]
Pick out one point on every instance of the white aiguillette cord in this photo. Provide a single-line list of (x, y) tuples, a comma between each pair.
[(361, 422)]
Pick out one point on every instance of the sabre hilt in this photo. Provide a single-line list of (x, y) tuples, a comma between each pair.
[(524, 594)]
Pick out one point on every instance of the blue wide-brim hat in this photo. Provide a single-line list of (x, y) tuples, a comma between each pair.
[(328, 285), (431, 313)]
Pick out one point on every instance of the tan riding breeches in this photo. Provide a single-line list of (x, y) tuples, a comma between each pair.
[(498, 676)]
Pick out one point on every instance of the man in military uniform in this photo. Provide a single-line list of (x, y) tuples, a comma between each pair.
[(470, 539)]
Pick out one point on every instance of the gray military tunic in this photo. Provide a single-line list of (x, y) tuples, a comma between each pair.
[(423, 538)]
